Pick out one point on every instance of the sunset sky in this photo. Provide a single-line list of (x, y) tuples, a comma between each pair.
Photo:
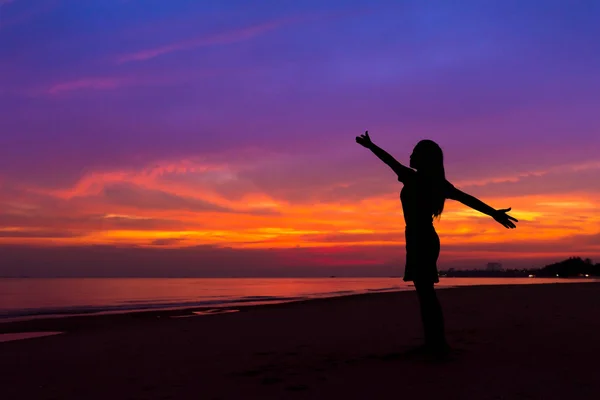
[(216, 138)]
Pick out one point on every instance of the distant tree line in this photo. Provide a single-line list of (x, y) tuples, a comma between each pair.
[(569, 268)]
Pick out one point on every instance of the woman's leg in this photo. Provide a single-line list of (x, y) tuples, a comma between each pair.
[(431, 315)]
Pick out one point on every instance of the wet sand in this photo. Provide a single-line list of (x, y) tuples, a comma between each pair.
[(511, 342)]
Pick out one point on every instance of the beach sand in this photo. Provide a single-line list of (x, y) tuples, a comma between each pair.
[(512, 342)]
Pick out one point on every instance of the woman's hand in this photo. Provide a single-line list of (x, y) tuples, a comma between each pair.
[(364, 140), (503, 218)]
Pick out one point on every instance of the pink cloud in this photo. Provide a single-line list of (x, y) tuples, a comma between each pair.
[(87, 83), (234, 36), (116, 82)]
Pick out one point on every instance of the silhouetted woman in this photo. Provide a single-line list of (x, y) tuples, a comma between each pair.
[(423, 195)]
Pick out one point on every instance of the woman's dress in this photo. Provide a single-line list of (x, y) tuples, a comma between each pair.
[(422, 241)]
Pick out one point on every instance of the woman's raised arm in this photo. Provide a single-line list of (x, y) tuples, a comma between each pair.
[(403, 172)]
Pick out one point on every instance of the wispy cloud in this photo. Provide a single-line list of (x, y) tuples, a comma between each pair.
[(87, 83), (234, 36), (152, 199), (166, 241), (568, 168), (108, 82), (36, 233)]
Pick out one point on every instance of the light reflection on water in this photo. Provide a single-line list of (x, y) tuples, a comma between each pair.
[(9, 337), (31, 297)]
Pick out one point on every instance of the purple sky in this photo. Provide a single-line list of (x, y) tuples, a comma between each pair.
[(266, 97)]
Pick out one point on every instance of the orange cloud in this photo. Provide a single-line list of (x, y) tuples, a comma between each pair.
[(178, 205)]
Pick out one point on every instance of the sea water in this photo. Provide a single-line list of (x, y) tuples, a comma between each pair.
[(34, 298)]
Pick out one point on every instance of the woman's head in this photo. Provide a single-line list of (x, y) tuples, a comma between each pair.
[(428, 159), (427, 156)]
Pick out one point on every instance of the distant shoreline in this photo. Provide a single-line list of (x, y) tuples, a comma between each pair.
[(507, 274)]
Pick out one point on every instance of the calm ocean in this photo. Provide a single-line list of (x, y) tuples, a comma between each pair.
[(31, 298)]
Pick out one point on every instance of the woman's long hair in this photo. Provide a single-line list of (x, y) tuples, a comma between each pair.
[(431, 167)]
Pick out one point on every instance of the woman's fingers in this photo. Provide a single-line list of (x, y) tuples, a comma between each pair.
[(506, 222), (362, 141)]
